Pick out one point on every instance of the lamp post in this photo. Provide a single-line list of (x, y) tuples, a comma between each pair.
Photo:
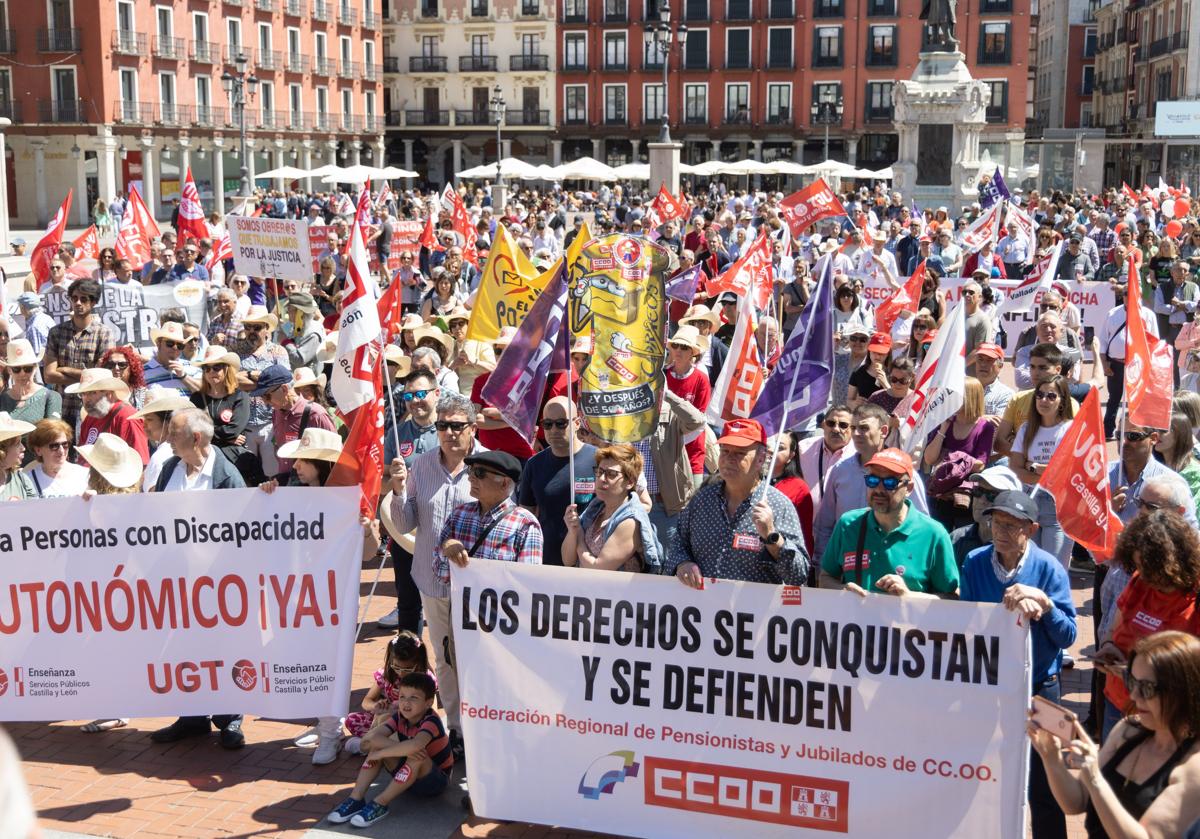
[(660, 36), (827, 111), (238, 86), (497, 103)]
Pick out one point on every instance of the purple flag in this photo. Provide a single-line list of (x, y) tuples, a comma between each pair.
[(1001, 186), (682, 286), (917, 212), (515, 388), (996, 190), (800, 385)]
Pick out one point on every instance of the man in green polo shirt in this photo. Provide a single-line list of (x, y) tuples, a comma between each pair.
[(888, 546)]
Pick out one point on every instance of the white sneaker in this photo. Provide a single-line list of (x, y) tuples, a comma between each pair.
[(327, 750), (390, 621), (352, 746), (308, 739)]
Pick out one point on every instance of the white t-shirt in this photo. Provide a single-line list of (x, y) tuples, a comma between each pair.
[(70, 481), (1045, 441), (158, 457)]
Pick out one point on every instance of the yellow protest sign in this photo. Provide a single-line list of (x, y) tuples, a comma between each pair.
[(618, 295), (507, 289)]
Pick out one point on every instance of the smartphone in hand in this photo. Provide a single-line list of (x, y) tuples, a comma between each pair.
[(1054, 718)]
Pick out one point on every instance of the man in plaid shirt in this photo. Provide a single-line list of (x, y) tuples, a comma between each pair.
[(492, 526), (77, 344)]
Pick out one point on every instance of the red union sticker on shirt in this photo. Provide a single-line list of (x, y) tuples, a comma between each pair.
[(848, 563), (585, 486), (1147, 622), (746, 542)]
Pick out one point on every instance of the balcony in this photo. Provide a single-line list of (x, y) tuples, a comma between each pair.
[(297, 63), (691, 63), (370, 20), (827, 60), (778, 63), (298, 121), (391, 64), (209, 117), (881, 58), (737, 116), (293, 8), (612, 65), (370, 71), (269, 60), (527, 117), (393, 119), (370, 123), (173, 115), (270, 6), (11, 111), (420, 117), (58, 40), (132, 113), (347, 69), (1179, 41), (427, 64), (616, 119), (347, 15), (171, 49), (473, 118), (477, 63), (7, 43), (737, 62), (779, 118), (62, 110), (233, 51), (519, 63), (205, 52), (577, 118), (323, 121), (530, 9), (323, 66), (1160, 47), (320, 11), (570, 66), (125, 42), (877, 115), (696, 118)]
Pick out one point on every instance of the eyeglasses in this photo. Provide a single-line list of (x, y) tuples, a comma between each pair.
[(859, 339), (1136, 436), (255, 327), (889, 483), (453, 427), (835, 424), (680, 347), (172, 345), (968, 293), (988, 495), (560, 424), (899, 380), (481, 472), (402, 671), (24, 368), (610, 473), (1047, 396), (60, 446), (216, 368), (82, 298), (59, 268), (1142, 687), (410, 395)]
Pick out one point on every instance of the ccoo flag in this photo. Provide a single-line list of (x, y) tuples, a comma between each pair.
[(800, 385), (355, 368), (1149, 383)]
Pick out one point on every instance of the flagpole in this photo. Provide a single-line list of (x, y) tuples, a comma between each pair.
[(570, 395), (390, 398)]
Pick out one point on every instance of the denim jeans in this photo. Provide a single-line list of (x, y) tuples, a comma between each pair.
[(1050, 536), (1046, 817), (664, 526)]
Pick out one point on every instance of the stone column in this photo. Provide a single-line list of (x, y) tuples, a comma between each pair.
[(555, 152), (797, 151), (456, 160), (219, 174), (664, 165), (251, 163), (381, 152), (356, 152), (331, 147), (598, 149), (149, 176), (5, 244), (408, 155), (82, 209), (278, 161), (106, 165), (851, 151), (716, 150), (635, 150), (185, 160), (308, 164), (39, 179)]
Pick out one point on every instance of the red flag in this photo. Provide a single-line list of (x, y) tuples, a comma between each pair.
[(905, 298), (87, 246), (191, 213), (47, 247), (1148, 379), (461, 220), (361, 461), (807, 206), (389, 307), (1077, 477), (222, 250), (666, 207), (428, 238), (751, 275), (137, 229), (1128, 192), (736, 391)]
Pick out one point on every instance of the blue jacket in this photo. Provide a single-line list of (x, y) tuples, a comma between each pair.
[(631, 509), (1055, 631)]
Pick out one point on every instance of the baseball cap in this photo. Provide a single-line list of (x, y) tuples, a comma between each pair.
[(743, 432), (893, 460), (880, 342), (990, 349), (271, 378), (1016, 503), (727, 297), (501, 462), (997, 477)]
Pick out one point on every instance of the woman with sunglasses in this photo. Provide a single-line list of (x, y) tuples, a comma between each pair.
[(52, 473), (106, 263), (23, 397), (846, 363), (327, 286), (409, 276), (125, 364), (919, 338), (229, 409), (1036, 440), (849, 310), (1145, 779), (613, 533)]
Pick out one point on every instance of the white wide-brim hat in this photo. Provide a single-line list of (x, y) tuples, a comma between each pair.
[(114, 459)]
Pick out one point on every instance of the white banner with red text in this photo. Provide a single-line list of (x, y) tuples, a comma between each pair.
[(629, 704), (229, 601)]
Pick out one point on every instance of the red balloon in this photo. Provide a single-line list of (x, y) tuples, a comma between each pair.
[(1182, 207), (1174, 228)]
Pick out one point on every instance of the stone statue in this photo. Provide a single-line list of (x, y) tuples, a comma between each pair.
[(940, 21)]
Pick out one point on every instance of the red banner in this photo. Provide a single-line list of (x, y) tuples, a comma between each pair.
[(751, 275), (87, 246), (191, 223), (807, 206), (905, 298), (1149, 386), (1077, 477), (47, 247)]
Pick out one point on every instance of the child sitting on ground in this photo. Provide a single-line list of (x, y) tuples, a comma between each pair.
[(411, 746), (405, 654)]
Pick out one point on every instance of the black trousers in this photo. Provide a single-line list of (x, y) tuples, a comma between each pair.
[(221, 721), (408, 598), (1116, 392), (1046, 817)]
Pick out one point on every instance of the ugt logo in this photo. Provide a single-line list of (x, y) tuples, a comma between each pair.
[(3, 682), (245, 675)]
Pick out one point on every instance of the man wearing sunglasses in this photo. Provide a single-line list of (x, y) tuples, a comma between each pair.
[(890, 546), (186, 267), (291, 413), (819, 454), (545, 487), (76, 345), (169, 367)]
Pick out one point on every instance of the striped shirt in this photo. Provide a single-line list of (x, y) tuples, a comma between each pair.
[(433, 493), (515, 536), (438, 747)]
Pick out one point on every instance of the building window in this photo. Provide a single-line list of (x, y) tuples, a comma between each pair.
[(652, 103), (737, 104), (779, 104), (696, 52), (575, 51), (737, 49), (615, 56), (994, 43), (779, 48), (1090, 40), (614, 104), (991, 7), (575, 104), (780, 9), (997, 109), (827, 92), (881, 46), (574, 11), (881, 8), (695, 103), (827, 47), (651, 57), (1089, 78), (737, 10), (879, 102), (616, 11), (695, 9), (829, 8)]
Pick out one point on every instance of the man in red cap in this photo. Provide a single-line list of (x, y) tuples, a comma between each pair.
[(739, 527), (989, 360), (889, 546)]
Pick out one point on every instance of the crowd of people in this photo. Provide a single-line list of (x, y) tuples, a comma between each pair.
[(242, 399)]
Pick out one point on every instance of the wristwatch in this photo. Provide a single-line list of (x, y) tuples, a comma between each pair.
[(773, 538)]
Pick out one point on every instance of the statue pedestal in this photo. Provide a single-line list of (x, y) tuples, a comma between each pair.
[(939, 115), (664, 166)]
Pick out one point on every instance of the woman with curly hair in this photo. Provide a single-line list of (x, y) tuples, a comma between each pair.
[(125, 364), (1161, 552), (106, 263)]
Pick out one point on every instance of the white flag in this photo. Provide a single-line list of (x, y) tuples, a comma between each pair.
[(359, 343), (1022, 297), (984, 229), (1026, 226), (941, 381), (741, 381)]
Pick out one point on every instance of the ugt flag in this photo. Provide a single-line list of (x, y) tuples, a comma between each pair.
[(800, 384), (736, 390), (805, 207), (191, 223), (359, 345), (1149, 383)]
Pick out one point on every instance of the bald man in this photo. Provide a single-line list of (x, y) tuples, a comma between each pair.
[(545, 486)]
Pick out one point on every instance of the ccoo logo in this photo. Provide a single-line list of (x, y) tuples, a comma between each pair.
[(3, 682), (245, 675)]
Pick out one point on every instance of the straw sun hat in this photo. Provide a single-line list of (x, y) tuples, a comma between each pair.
[(114, 459), (314, 444)]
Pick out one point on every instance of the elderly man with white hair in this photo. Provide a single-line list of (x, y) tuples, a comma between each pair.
[(1049, 330), (106, 411)]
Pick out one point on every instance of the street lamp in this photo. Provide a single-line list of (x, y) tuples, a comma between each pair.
[(660, 37), (497, 103), (237, 87), (827, 111)]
